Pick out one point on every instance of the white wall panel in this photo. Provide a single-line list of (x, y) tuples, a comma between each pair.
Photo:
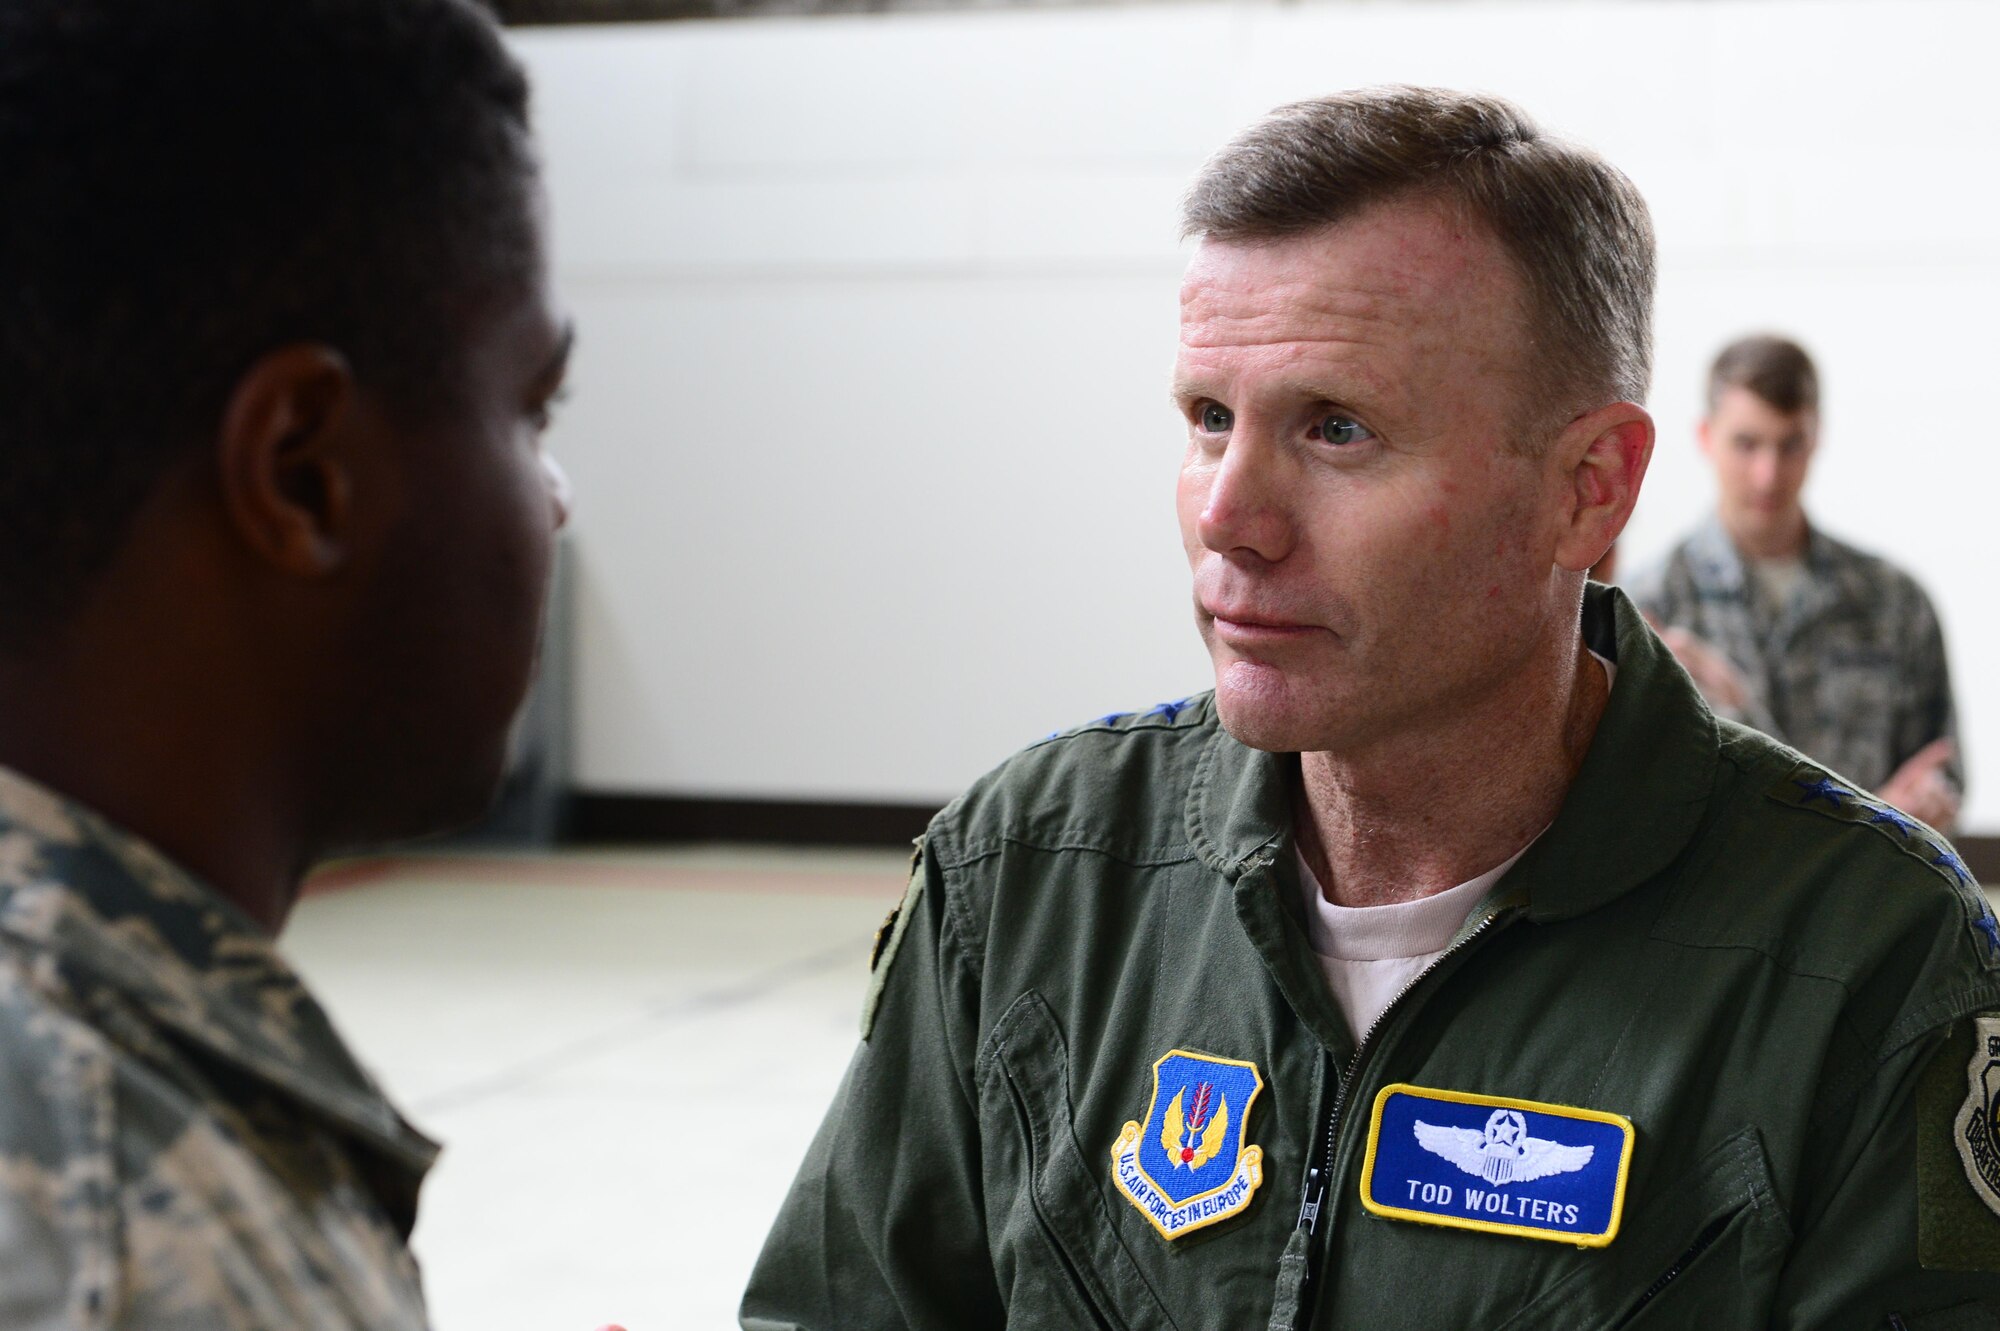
[(889, 532), (953, 93)]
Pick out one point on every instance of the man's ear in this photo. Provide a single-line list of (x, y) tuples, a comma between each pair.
[(1704, 438), (287, 480), (1606, 452)]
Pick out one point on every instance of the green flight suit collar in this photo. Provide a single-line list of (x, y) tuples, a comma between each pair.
[(1634, 806)]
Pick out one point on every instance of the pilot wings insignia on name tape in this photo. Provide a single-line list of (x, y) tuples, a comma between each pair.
[(1504, 1153), (1537, 1170)]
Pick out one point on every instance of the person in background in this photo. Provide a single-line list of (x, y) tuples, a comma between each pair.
[(1833, 650), (275, 532)]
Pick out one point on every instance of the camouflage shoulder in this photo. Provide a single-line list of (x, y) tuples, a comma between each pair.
[(1662, 587), (1807, 786), (58, 1171), (1894, 592), (1866, 564)]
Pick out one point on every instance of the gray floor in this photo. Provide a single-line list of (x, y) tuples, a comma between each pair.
[(625, 1057)]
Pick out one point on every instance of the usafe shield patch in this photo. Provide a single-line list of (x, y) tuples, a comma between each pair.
[(1504, 1166), (1977, 1131), (1189, 1164)]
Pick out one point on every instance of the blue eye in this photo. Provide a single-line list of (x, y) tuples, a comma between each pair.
[(1216, 418), (1342, 429)]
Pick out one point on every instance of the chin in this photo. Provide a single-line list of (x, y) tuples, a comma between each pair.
[(1264, 709), (429, 800), (1258, 732)]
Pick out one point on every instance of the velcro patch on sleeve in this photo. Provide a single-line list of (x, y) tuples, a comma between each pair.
[(1958, 1150), (888, 941)]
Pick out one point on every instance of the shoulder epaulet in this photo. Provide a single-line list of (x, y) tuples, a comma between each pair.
[(1160, 715), (1807, 786)]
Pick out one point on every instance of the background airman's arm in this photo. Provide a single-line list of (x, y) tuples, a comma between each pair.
[(1928, 711)]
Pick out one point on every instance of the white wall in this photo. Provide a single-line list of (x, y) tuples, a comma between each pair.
[(870, 434)]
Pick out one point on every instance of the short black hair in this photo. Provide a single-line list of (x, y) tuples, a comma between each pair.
[(193, 183)]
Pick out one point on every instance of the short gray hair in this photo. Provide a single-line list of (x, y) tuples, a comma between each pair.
[(1576, 227)]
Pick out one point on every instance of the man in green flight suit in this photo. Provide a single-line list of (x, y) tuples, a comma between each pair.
[(1451, 964), (275, 532)]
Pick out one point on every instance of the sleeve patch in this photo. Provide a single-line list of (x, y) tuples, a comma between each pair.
[(1958, 1150), (888, 941)]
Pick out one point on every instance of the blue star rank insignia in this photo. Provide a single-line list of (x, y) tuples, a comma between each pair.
[(1189, 1164)]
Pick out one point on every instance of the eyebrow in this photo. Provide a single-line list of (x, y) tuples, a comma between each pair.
[(1195, 390), (1187, 390)]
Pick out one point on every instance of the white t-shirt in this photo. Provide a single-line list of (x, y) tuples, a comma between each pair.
[(1370, 954)]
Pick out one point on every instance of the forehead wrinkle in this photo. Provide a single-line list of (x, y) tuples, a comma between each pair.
[(1298, 313), (1371, 315), (1325, 363)]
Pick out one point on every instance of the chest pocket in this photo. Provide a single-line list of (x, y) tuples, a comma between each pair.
[(1864, 678), (1055, 1244), (1705, 1252), (1857, 686)]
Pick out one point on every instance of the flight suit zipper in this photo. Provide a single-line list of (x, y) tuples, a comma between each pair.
[(1320, 1174), (1703, 1241)]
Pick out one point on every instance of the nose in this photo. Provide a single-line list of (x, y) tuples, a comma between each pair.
[(557, 480), (1244, 511), (1764, 467)]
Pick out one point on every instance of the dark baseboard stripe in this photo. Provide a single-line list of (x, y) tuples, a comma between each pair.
[(1981, 855), (667, 818)]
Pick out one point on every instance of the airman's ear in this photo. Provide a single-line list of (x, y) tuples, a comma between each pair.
[(287, 483), (1606, 452)]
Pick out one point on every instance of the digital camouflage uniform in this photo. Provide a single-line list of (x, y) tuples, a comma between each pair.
[(1781, 984), (1850, 670), (185, 1142)]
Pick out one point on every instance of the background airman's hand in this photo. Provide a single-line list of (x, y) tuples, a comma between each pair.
[(1919, 787)]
